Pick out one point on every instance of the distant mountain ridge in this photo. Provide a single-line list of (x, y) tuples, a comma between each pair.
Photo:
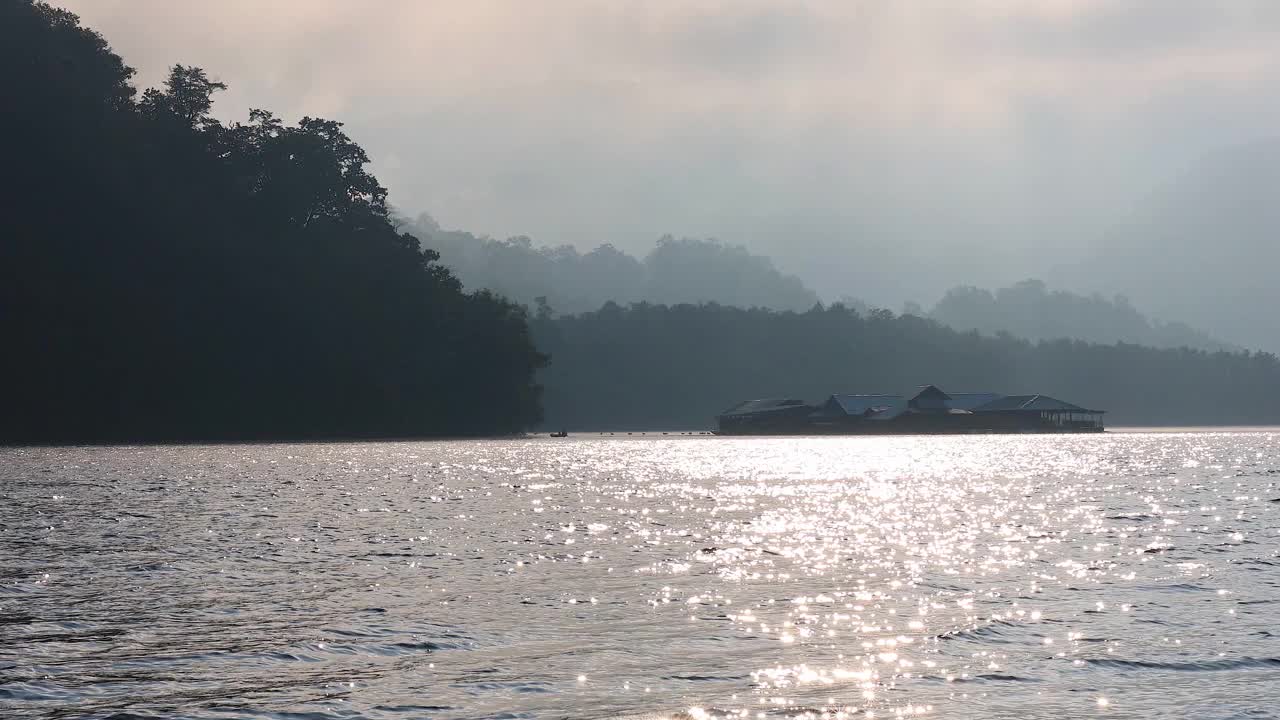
[(1030, 310), (676, 271), (1203, 249), (562, 279)]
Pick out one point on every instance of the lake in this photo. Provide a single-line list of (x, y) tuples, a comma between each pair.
[(1122, 575)]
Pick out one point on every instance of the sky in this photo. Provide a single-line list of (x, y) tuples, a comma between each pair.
[(881, 149)]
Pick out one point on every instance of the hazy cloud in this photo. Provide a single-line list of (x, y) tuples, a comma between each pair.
[(886, 149)]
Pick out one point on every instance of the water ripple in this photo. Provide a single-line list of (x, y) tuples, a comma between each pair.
[(692, 578)]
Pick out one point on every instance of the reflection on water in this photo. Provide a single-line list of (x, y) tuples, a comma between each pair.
[(1122, 575)]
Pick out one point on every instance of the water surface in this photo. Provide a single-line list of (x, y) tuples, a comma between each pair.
[(1117, 575)]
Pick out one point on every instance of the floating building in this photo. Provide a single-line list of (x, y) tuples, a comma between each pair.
[(930, 410)]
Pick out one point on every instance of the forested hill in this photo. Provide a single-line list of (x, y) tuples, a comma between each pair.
[(675, 271), (659, 367), (700, 271), (166, 276), (1030, 310)]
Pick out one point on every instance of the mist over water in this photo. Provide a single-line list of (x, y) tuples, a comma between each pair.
[(1121, 575)]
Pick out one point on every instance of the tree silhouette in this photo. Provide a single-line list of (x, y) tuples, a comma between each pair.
[(654, 366), (166, 277), (675, 271), (1029, 309)]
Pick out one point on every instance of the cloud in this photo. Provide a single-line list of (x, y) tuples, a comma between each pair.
[(930, 62)]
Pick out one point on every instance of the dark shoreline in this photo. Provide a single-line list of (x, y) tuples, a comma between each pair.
[(604, 434), (282, 440)]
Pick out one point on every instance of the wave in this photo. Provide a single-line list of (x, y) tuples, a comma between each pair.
[(1197, 666)]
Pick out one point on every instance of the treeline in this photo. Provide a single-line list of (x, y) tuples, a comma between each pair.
[(166, 276), (675, 271), (675, 367), (1030, 310)]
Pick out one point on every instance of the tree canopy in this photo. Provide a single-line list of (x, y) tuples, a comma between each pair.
[(1030, 310), (677, 270), (663, 367), (168, 276), (702, 271)]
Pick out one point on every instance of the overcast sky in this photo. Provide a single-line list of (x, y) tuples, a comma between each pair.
[(972, 142)]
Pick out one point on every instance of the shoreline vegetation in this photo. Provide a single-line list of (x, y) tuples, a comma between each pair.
[(693, 271), (678, 366), (545, 435), (168, 277)]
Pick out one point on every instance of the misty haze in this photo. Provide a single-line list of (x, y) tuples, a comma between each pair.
[(883, 151), (657, 361)]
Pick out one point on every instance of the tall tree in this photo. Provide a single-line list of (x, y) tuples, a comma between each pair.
[(164, 276)]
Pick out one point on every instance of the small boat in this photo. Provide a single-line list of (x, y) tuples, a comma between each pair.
[(562, 433)]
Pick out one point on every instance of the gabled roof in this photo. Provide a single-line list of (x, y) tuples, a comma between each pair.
[(932, 390), (876, 407), (971, 400), (763, 405), (1031, 402)]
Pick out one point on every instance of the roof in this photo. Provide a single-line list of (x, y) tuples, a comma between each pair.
[(932, 390), (880, 407), (930, 399), (1031, 402), (971, 400), (763, 405)]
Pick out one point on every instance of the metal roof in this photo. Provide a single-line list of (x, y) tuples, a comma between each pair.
[(932, 389), (1032, 402), (881, 407), (971, 400)]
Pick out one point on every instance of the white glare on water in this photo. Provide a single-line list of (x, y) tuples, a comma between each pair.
[(1012, 576)]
